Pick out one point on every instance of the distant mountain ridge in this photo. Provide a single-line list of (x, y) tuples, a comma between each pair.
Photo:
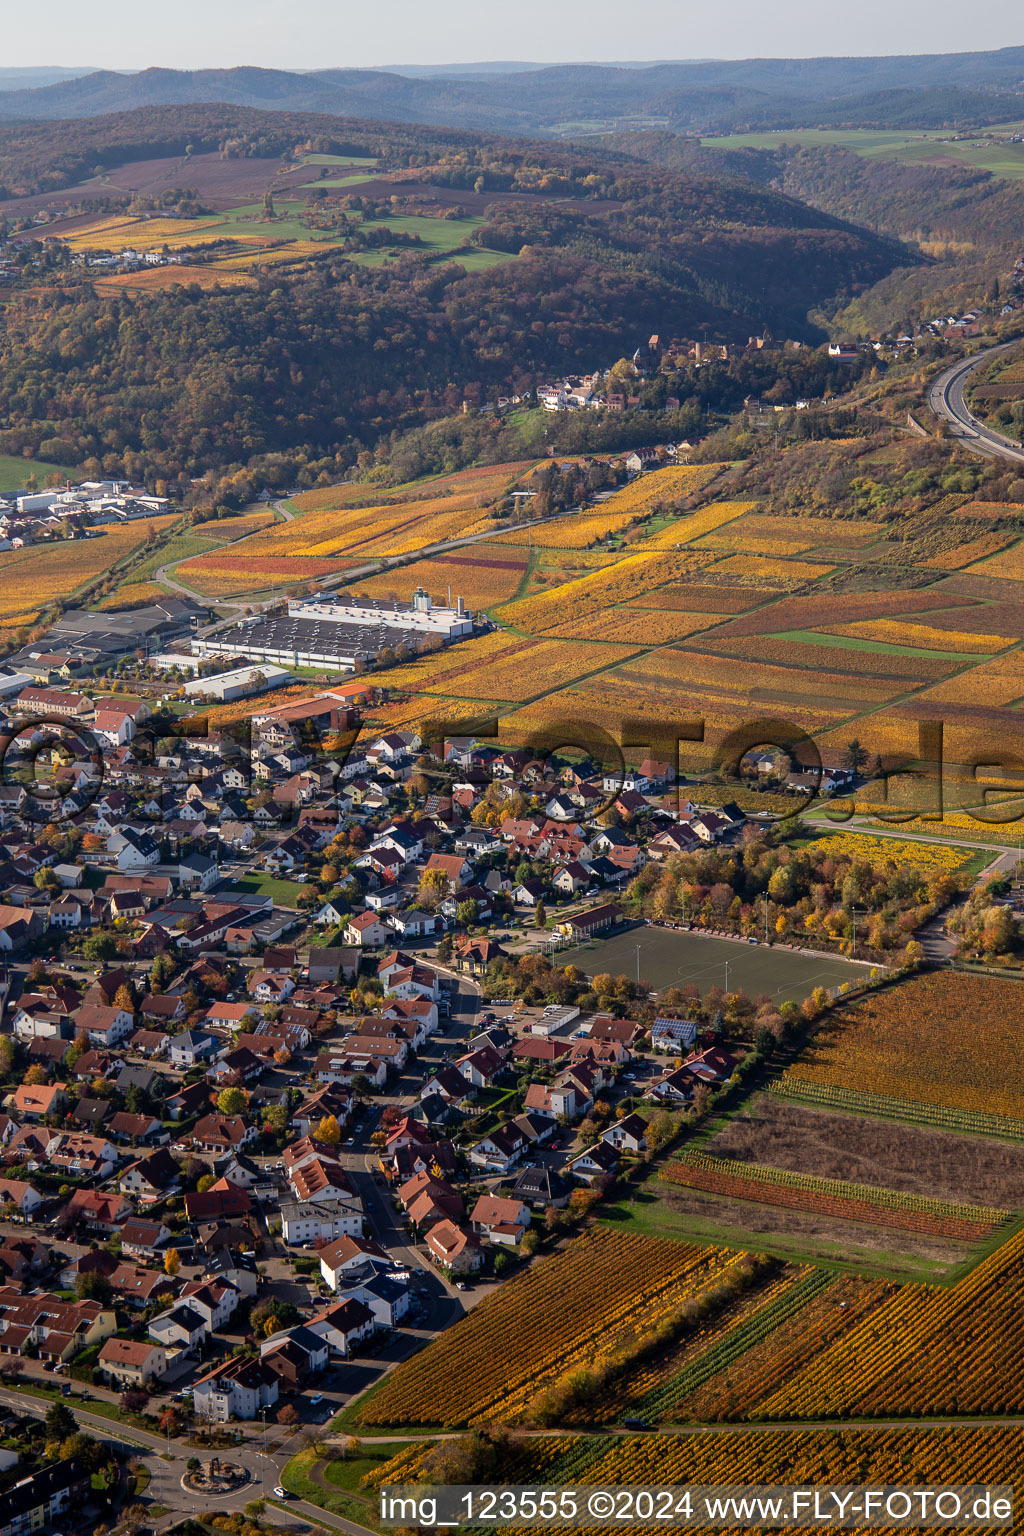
[(927, 90), (26, 77)]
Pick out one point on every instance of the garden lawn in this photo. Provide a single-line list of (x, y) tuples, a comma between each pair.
[(347, 1473)]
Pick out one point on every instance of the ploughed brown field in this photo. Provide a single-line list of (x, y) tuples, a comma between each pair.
[(801, 1234), (974, 1170)]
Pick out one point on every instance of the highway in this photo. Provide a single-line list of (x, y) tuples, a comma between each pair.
[(946, 400)]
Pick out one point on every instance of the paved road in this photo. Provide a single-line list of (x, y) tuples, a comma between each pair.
[(165, 1488), (445, 1303), (946, 399)]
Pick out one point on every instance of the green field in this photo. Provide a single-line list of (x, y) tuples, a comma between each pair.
[(881, 647), (284, 893), (673, 958), (439, 236), (937, 147), (330, 182), (249, 219), (14, 472), (339, 160)]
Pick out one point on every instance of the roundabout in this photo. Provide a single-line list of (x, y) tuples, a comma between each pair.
[(216, 1478)]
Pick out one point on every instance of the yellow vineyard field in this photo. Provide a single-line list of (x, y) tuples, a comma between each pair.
[(32, 578), (234, 527), (817, 530), (441, 670), (160, 279), (278, 255), (482, 582), (927, 858), (746, 544), (991, 509), (480, 486), (134, 594), (920, 636), (617, 512), (996, 682), (564, 1311), (782, 572), (631, 577), (639, 626), (950, 1039), (537, 668), (926, 1456), (695, 525), (147, 234), (966, 554), (1009, 564)]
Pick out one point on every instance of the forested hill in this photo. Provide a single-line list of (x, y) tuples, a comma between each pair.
[(923, 91), (312, 365), (913, 202), (51, 156)]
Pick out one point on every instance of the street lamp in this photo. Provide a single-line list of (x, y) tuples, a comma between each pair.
[(853, 915), (638, 965), (727, 978)]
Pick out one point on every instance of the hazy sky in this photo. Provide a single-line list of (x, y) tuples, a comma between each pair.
[(312, 34)]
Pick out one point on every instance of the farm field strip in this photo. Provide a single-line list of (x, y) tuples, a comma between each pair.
[(900, 1360), (642, 626), (647, 1377), (785, 573), (160, 279), (631, 577), (834, 1197), (787, 1301), (484, 482), (695, 525), (825, 639), (536, 668), (39, 574), (923, 636), (830, 1096)]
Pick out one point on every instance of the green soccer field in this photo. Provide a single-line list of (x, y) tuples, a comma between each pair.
[(673, 958)]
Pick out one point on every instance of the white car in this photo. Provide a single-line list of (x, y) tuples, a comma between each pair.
[(281, 1493)]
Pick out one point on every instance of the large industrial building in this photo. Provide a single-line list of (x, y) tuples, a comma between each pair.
[(88, 639), (240, 683), (337, 631)]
